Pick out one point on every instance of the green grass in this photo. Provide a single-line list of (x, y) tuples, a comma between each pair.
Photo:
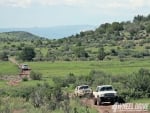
[(114, 67), (7, 68), (30, 83), (35, 82), (63, 68), (2, 84), (19, 105), (142, 100)]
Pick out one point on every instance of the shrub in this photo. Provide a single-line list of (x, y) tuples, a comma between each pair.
[(60, 81), (137, 83), (138, 55), (35, 75), (25, 79), (147, 47), (4, 56), (114, 52)]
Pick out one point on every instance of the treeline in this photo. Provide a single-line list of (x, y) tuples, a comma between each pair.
[(121, 40)]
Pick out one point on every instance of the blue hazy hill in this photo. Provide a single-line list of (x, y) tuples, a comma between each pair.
[(53, 32)]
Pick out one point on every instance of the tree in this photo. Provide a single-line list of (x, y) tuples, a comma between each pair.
[(148, 29), (139, 83), (80, 52), (101, 54), (114, 52), (38, 43), (117, 26), (4, 56), (27, 54), (139, 18)]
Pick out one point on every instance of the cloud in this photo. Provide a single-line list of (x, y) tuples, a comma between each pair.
[(62, 2), (101, 4), (137, 3), (130, 4), (16, 3), (105, 5)]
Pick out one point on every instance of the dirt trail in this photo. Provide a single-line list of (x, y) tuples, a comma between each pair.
[(106, 108), (23, 73), (13, 61), (100, 109)]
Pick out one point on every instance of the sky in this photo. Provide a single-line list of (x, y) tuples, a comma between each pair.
[(48, 13)]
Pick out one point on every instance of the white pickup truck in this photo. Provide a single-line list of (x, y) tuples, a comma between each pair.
[(83, 90), (24, 67), (104, 93)]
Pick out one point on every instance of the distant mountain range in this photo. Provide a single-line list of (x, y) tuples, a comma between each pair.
[(19, 35), (53, 32)]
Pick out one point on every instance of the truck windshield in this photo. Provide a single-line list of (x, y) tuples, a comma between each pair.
[(84, 87), (106, 89)]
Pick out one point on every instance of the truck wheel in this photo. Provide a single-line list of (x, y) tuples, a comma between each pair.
[(112, 102), (91, 95), (99, 101), (95, 101)]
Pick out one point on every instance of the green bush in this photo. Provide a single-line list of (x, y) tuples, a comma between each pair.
[(35, 75), (139, 83), (25, 79), (4, 56)]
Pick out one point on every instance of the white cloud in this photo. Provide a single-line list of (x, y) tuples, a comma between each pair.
[(101, 4), (20, 3), (16, 3), (138, 3), (115, 4), (75, 2), (62, 2)]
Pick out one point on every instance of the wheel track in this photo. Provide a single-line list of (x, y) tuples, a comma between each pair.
[(106, 108)]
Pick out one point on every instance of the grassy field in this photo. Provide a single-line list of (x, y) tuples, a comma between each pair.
[(63, 68), (19, 105), (114, 67), (143, 100), (7, 68)]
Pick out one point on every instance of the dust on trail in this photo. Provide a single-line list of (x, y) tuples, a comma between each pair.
[(106, 108)]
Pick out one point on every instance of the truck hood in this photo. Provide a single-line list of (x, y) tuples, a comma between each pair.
[(105, 92)]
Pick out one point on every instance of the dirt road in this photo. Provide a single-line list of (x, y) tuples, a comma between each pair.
[(23, 73), (13, 61), (107, 108)]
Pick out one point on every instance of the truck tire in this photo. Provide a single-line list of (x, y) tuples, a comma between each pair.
[(112, 102), (95, 101), (91, 95), (99, 102)]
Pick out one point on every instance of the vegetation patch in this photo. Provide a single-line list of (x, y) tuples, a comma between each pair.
[(7, 68)]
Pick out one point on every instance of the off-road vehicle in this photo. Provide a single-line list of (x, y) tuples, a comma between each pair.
[(104, 93), (83, 90)]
